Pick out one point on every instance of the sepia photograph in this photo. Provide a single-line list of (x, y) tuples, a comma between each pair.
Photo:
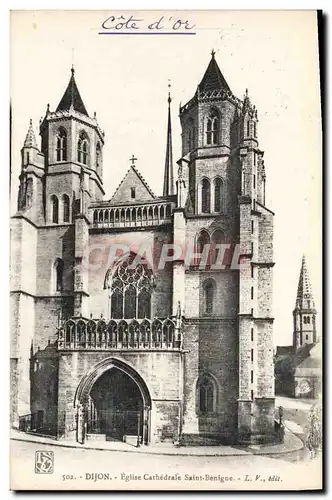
[(165, 250)]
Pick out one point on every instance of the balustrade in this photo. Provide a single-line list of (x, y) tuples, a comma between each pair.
[(143, 334), (132, 216)]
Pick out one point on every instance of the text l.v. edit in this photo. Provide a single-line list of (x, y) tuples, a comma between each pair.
[(263, 479)]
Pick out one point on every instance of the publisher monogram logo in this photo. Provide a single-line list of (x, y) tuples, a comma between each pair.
[(44, 462)]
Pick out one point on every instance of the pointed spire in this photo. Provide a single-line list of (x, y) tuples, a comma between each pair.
[(30, 140), (246, 101), (71, 99), (213, 79), (168, 175), (304, 291)]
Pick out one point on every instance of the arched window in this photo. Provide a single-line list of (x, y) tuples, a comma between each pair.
[(217, 239), (206, 394), (218, 195), (130, 302), (117, 304), (212, 129), (130, 290), (58, 270), (61, 145), (202, 245), (54, 209), (29, 193), (66, 208), (209, 292), (191, 134), (98, 158), (206, 196), (82, 148), (308, 320), (144, 304)]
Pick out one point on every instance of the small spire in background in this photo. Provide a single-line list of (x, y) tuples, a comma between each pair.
[(72, 61), (169, 92), (168, 173)]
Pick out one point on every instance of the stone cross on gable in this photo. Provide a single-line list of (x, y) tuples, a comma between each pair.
[(133, 159)]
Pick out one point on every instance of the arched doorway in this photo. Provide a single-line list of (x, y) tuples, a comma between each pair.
[(112, 400), (115, 406)]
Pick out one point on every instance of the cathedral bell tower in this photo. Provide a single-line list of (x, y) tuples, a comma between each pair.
[(224, 170), (304, 314), (72, 143), (208, 142)]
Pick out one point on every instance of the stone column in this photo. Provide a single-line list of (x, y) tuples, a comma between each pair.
[(179, 239), (81, 284)]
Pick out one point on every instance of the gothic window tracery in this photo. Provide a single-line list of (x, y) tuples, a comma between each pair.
[(82, 148), (98, 158), (29, 193), (206, 394), (191, 134), (217, 239), (130, 290), (202, 245), (218, 195), (209, 294), (66, 208), (206, 196), (61, 145), (54, 209), (212, 129), (58, 268)]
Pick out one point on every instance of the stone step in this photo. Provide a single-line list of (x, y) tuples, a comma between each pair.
[(130, 440), (199, 440), (96, 437)]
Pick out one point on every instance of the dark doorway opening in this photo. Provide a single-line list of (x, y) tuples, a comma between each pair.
[(115, 407)]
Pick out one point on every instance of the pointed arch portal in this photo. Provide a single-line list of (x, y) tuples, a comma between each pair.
[(113, 400)]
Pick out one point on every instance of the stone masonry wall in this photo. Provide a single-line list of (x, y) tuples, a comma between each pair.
[(161, 372)]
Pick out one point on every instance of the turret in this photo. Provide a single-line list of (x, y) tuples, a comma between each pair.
[(30, 195)]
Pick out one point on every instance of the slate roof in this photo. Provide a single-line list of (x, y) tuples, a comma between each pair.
[(304, 290), (213, 79), (72, 97)]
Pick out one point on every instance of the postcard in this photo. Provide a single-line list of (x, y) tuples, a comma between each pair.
[(166, 228)]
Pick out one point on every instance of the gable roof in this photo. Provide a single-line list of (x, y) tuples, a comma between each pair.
[(133, 178), (213, 79), (72, 97)]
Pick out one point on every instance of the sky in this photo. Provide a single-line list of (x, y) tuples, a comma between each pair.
[(124, 79)]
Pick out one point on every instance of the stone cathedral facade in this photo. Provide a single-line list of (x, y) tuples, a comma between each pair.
[(116, 347)]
